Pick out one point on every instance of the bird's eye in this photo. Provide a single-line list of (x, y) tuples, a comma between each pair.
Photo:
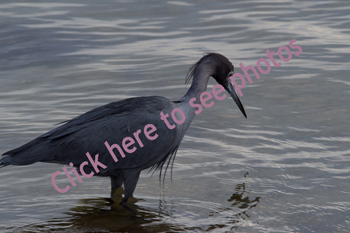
[(230, 74)]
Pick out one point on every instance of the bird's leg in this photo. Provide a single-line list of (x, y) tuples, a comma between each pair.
[(116, 183), (123, 202), (130, 181)]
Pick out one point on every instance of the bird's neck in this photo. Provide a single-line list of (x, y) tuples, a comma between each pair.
[(199, 85)]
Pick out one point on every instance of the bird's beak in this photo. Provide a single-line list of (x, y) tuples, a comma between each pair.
[(230, 89)]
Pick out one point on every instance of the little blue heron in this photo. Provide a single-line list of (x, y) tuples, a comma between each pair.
[(68, 143)]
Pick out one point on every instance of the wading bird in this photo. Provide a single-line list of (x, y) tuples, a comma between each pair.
[(68, 143)]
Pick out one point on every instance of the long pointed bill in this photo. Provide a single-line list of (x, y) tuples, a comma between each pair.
[(230, 89)]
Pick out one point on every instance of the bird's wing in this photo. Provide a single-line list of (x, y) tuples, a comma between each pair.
[(109, 123)]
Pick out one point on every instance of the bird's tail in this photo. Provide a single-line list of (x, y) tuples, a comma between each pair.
[(29, 153), (5, 161)]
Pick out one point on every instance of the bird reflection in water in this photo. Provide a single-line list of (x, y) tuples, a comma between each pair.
[(240, 199)]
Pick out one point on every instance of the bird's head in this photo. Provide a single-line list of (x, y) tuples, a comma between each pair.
[(221, 69)]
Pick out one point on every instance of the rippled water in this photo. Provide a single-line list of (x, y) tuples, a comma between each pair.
[(284, 169)]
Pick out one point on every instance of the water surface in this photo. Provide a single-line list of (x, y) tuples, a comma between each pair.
[(284, 169)]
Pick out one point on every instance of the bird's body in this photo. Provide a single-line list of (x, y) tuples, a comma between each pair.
[(111, 123)]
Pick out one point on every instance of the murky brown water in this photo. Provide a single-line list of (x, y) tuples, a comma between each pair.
[(284, 169)]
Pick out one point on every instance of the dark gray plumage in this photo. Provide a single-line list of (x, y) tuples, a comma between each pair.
[(115, 121)]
